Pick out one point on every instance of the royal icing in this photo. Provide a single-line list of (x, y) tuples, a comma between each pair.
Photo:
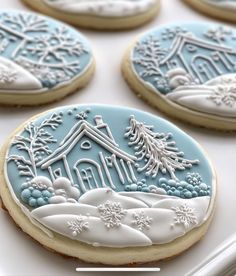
[(131, 179), (225, 4), (39, 54), (106, 8), (192, 65)]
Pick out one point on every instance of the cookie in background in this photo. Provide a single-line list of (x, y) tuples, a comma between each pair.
[(222, 9), (186, 70), (99, 14), (41, 59)]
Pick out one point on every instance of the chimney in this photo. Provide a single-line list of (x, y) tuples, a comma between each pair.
[(104, 128), (99, 121)]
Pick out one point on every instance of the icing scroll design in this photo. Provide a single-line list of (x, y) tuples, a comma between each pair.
[(38, 54)]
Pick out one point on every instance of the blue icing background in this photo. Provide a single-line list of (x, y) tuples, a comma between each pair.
[(25, 38), (204, 51), (112, 122)]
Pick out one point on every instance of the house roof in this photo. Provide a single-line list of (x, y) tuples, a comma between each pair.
[(181, 39), (76, 133)]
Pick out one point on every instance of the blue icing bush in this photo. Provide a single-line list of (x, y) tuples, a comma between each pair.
[(191, 187), (35, 197), (140, 186)]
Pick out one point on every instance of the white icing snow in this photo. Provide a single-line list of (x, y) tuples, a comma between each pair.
[(112, 8), (217, 96), (162, 218), (14, 77)]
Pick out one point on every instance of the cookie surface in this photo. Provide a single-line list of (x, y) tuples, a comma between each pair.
[(41, 60), (187, 71), (117, 189), (99, 14), (223, 9)]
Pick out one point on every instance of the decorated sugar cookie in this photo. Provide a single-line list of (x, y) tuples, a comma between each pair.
[(223, 9), (41, 60), (99, 14), (187, 71), (120, 189)]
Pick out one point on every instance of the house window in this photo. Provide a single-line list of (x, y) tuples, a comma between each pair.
[(86, 145), (191, 48), (109, 161), (57, 173)]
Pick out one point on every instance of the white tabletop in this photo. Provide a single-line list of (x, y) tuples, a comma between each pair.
[(20, 255)]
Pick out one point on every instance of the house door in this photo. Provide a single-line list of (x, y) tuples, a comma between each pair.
[(89, 174), (205, 68)]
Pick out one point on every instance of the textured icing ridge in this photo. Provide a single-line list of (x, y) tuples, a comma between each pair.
[(192, 65), (79, 173), (38, 53), (106, 8)]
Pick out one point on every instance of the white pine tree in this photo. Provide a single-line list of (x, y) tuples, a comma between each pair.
[(155, 149)]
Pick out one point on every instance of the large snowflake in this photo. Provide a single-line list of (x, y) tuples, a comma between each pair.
[(184, 215), (111, 213), (78, 225), (141, 221), (224, 95), (155, 150)]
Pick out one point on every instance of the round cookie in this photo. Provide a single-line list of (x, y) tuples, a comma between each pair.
[(187, 71), (107, 184), (99, 14), (41, 60), (222, 9)]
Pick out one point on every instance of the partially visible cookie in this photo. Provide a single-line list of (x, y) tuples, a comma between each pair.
[(107, 184), (41, 60), (99, 14), (188, 71), (223, 9)]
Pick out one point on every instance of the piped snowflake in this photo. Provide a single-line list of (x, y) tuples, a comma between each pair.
[(7, 76), (78, 225), (171, 33), (184, 215), (111, 213), (218, 34), (83, 115), (141, 221), (224, 95)]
